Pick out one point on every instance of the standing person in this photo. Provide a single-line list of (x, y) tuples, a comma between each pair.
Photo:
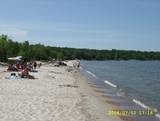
[(39, 65), (35, 65), (78, 64)]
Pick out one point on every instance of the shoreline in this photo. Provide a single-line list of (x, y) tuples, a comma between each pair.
[(56, 94), (56, 91), (132, 103), (94, 93)]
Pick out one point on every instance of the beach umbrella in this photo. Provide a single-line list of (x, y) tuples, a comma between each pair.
[(18, 58)]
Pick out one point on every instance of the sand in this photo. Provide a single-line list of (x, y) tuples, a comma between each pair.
[(56, 95)]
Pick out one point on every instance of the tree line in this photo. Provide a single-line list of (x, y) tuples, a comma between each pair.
[(10, 48)]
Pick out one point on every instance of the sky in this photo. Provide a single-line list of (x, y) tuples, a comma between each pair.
[(96, 24)]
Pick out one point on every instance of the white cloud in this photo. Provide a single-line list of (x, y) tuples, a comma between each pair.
[(16, 33)]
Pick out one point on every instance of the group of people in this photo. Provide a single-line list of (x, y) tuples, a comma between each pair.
[(23, 68)]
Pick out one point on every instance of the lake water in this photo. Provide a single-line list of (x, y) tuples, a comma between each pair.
[(140, 80)]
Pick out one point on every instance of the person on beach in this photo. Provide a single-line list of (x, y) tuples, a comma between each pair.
[(17, 65), (30, 66), (25, 74), (78, 65), (12, 67), (35, 65), (39, 65)]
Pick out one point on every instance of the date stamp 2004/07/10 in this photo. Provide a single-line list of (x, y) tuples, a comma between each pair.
[(132, 112)]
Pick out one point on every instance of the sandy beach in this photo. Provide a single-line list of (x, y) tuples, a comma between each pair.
[(57, 94)]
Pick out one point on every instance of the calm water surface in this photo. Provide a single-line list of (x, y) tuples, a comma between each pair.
[(141, 79)]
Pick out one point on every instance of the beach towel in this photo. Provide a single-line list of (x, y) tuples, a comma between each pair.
[(33, 71), (12, 77)]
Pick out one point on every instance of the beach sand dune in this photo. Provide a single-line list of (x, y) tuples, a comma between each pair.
[(56, 95)]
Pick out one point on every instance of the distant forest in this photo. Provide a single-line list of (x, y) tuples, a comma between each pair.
[(10, 48)]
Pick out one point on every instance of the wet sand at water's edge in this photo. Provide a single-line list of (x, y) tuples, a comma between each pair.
[(56, 95)]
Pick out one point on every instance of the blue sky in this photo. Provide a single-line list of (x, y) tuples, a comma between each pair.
[(100, 24)]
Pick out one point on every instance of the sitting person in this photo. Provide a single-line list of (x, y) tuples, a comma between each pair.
[(25, 74), (11, 67), (18, 66), (30, 67)]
